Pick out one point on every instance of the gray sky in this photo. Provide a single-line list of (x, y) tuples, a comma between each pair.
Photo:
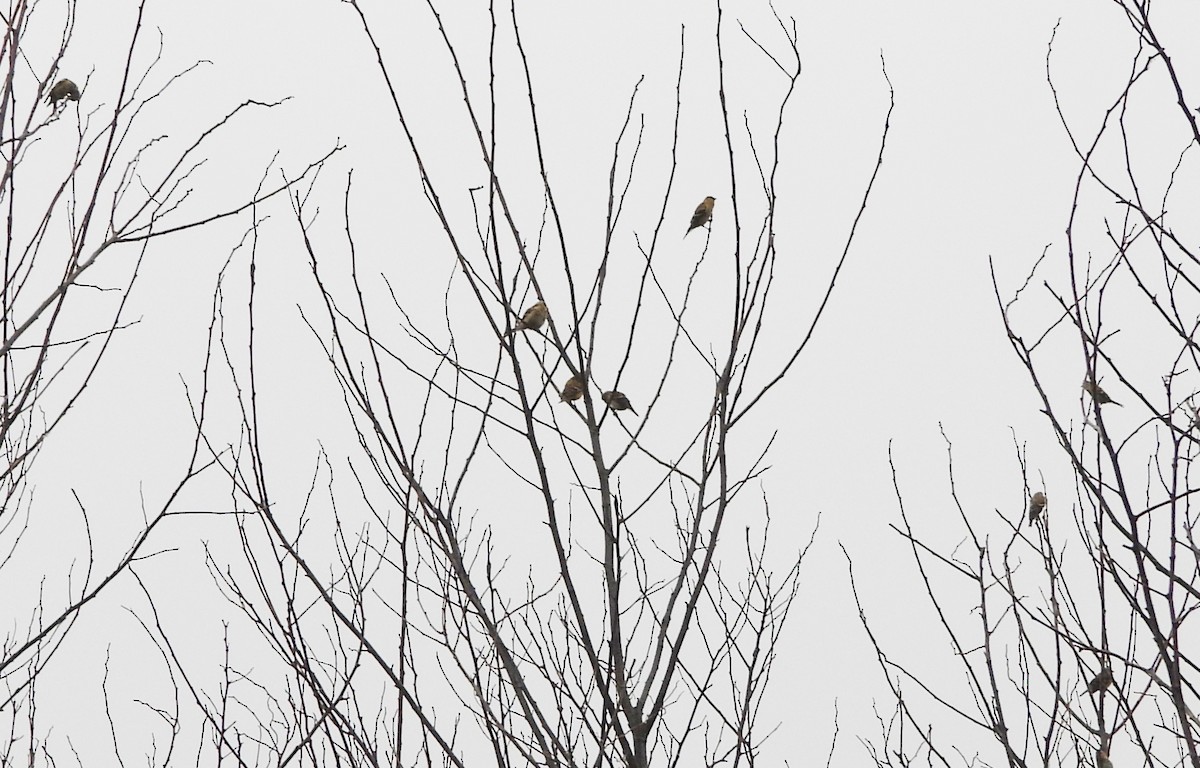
[(978, 168)]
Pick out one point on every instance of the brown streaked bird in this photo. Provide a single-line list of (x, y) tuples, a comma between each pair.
[(618, 402), (1037, 502), (1099, 395), (534, 318), (1102, 760), (702, 215), (63, 89), (572, 390), (1101, 681)]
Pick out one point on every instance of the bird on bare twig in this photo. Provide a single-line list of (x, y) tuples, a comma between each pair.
[(535, 317), (1101, 681), (572, 390), (617, 402), (1099, 395), (1102, 760), (1037, 502), (702, 215), (63, 89)]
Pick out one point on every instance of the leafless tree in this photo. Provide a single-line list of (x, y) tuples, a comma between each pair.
[(1079, 645), (79, 184), (504, 569)]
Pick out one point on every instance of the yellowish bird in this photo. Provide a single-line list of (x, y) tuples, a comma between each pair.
[(1099, 395), (1037, 502), (617, 402), (63, 89), (534, 318), (1101, 681), (702, 215), (1102, 760), (572, 390)]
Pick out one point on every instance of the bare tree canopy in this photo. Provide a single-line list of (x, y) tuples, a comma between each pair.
[(445, 384)]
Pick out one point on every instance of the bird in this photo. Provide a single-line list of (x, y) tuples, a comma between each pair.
[(617, 401), (1037, 502), (1101, 681), (572, 390), (1099, 395), (1102, 760), (63, 89), (535, 317), (702, 215)]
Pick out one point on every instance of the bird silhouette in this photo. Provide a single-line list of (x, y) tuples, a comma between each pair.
[(572, 390), (534, 318), (1101, 681), (1099, 395), (63, 89), (617, 401), (702, 215), (1037, 502)]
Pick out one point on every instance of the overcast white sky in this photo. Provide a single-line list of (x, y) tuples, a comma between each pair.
[(977, 167)]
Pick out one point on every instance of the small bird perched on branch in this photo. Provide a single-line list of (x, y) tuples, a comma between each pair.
[(534, 318), (63, 89), (572, 390), (1037, 502), (1099, 395), (702, 215), (1101, 681), (1102, 760), (617, 401)]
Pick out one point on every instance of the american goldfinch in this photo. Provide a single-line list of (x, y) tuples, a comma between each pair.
[(572, 390), (535, 317), (1099, 395), (1101, 681), (702, 215), (63, 89), (1102, 760), (617, 401), (1037, 502)]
